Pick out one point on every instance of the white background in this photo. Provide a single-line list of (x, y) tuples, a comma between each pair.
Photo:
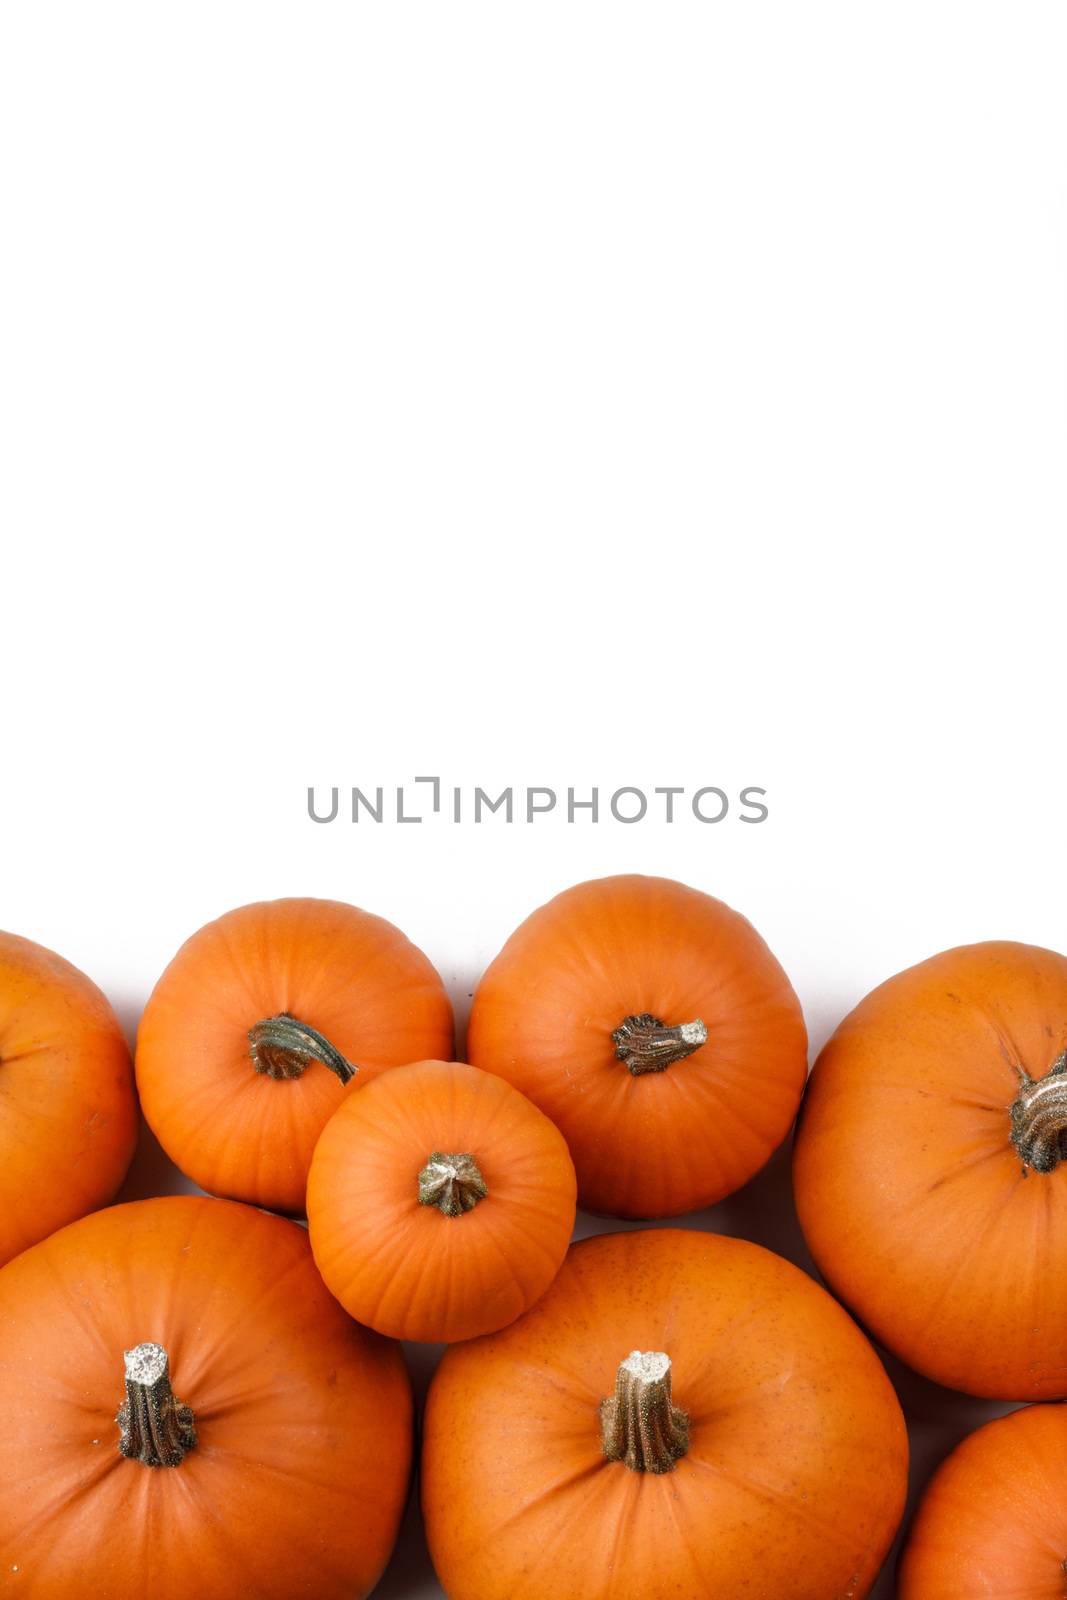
[(561, 394)]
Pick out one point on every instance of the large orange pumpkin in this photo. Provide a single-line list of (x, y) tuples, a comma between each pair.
[(680, 1416), (656, 1029), (993, 1521), (254, 1030), (68, 1115), (440, 1202), (928, 1168), (187, 1411)]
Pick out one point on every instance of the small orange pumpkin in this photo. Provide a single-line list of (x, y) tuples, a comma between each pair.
[(929, 1168), (440, 1202), (68, 1115), (188, 1412), (993, 1521), (656, 1029), (260, 1021), (680, 1415)]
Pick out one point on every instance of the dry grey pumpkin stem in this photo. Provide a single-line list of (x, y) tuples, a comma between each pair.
[(452, 1183), (648, 1045), (639, 1423), (1039, 1118), (154, 1427), (282, 1047)]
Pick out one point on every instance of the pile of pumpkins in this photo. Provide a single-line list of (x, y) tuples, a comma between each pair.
[(198, 1396)]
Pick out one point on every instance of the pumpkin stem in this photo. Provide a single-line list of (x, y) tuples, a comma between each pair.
[(452, 1183), (1039, 1118), (282, 1047), (639, 1424), (648, 1045), (154, 1427)]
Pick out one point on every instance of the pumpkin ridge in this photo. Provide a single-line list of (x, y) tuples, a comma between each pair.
[(380, 1248), (223, 933), (524, 1220), (963, 1168)]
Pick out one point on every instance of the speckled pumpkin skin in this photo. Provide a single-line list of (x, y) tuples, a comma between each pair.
[(993, 1521), (794, 1482)]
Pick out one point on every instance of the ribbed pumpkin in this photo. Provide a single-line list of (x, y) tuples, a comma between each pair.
[(679, 1416), (993, 1521), (656, 1029), (188, 1412), (440, 1202), (929, 1169), (254, 1030), (68, 1116)]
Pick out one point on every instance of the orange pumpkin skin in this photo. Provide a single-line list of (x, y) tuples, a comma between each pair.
[(68, 1114), (993, 1521), (351, 976), (919, 1209), (660, 1142), (478, 1249), (299, 1473), (793, 1479)]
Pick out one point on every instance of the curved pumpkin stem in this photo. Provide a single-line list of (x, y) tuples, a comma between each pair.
[(282, 1047), (154, 1427), (1039, 1118), (648, 1045), (639, 1423), (452, 1183)]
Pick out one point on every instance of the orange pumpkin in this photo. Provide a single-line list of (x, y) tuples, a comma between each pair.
[(68, 1115), (258, 1024), (680, 1415), (993, 1520), (928, 1168), (188, 1412), (440, 1202), (656, 1029)]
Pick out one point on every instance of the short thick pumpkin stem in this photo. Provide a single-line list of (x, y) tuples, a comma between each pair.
[(639, 1423), (154, 1427), (282, 1047), (1039, 1118), (648, 1045), (452, 1183)]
